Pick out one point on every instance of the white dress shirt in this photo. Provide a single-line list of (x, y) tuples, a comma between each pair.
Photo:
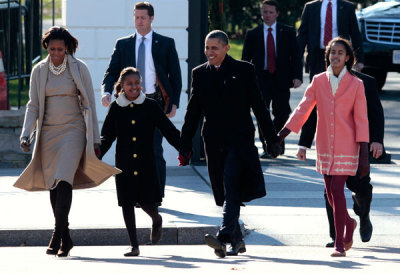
[(273, 31), (324, 7), (150, 70)]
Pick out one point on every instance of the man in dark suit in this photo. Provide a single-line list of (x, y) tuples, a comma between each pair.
[(272, 48), (361, 188), (156, 58), (225, 90)]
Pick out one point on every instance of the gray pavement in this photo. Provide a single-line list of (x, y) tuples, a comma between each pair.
[(285, 231)]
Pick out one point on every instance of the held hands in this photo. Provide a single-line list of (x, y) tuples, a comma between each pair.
[(297, 83), (274, 149), (25, 145), (363, 162), (97, 151), (283, 133), (184, 158)]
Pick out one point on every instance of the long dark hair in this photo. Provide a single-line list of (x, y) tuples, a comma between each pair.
[(125, 72), (60, 33), (349, 52)]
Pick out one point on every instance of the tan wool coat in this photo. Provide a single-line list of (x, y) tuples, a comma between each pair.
[(91, 171)]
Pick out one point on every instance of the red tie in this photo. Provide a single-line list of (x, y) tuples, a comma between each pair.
[(328, 24), (271, 59)]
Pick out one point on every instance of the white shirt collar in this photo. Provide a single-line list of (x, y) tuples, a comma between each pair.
[(122, 101), (266, 27), (147, 36)]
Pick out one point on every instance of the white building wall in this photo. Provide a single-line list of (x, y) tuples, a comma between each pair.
[(97, 24)]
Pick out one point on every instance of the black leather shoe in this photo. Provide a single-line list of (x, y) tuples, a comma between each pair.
[(156, 232), (134, 252), (365, 229), (213, 242), (330, 244), (239, 247)]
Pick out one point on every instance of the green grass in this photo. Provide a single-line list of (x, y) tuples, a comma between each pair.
[(13, 93), (236, 48)]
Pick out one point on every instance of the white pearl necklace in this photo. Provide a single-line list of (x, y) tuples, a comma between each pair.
[(59, 69)]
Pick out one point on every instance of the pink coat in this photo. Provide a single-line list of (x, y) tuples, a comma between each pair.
[(342, 122)]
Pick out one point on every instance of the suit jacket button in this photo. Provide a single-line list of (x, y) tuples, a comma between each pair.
[(135, 173), (133, 122), (134, 139), (134, 155), (131, 105)]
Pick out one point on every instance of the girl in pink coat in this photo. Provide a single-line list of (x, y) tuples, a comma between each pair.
[(342, 132)]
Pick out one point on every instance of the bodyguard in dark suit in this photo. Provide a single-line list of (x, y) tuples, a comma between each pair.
[(159, 67), (225, 90), (361, 188), (272, 48)]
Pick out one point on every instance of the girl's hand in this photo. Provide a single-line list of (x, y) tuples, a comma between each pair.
[(25, 145), (301, 154)]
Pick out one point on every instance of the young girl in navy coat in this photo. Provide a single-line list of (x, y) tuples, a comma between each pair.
[(132, 119)]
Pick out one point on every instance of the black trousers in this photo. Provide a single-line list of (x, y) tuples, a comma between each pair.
[(362, 197), (277, 98), (158, 149), (229, 231)]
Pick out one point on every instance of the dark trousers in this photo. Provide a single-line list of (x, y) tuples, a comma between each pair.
[(158, 149), (160, 161), (230, 229), (362, 197), (277, 98)]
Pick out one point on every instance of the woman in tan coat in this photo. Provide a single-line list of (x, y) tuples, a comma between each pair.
[(61, 114)]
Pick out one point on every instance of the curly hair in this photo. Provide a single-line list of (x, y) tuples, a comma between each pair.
[(60, 33), (125, 72)]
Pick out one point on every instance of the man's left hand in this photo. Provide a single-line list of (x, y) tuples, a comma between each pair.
[(376, 149), (172, 112), (359, 66)]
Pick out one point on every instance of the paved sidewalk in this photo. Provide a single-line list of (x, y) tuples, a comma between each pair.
[(199, 259)]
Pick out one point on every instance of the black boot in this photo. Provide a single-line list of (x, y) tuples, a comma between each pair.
[(54, 244), (362, 207), (61, 206), (66, 243)]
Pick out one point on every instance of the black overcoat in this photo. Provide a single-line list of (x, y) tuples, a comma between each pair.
[(226, 98), (133, 126)]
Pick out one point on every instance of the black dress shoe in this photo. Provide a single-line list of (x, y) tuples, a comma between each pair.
[(330, 244), (365, 229), (156, 232), (213, 242), (239, 247), (265, 155), (133, 252)]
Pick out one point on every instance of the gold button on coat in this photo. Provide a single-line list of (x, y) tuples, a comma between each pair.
[(135, 173), (135, 155), (131, 105), (133, 122), (134, 139)]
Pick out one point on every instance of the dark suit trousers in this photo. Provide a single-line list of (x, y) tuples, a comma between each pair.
[(362, 198), (230, 228), (276, 97), (158, 149)]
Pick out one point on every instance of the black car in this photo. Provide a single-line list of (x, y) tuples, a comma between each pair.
[(380, 31)]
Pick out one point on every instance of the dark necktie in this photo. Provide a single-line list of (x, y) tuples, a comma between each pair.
[(328, 24), (140, 64), (271, 58)]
